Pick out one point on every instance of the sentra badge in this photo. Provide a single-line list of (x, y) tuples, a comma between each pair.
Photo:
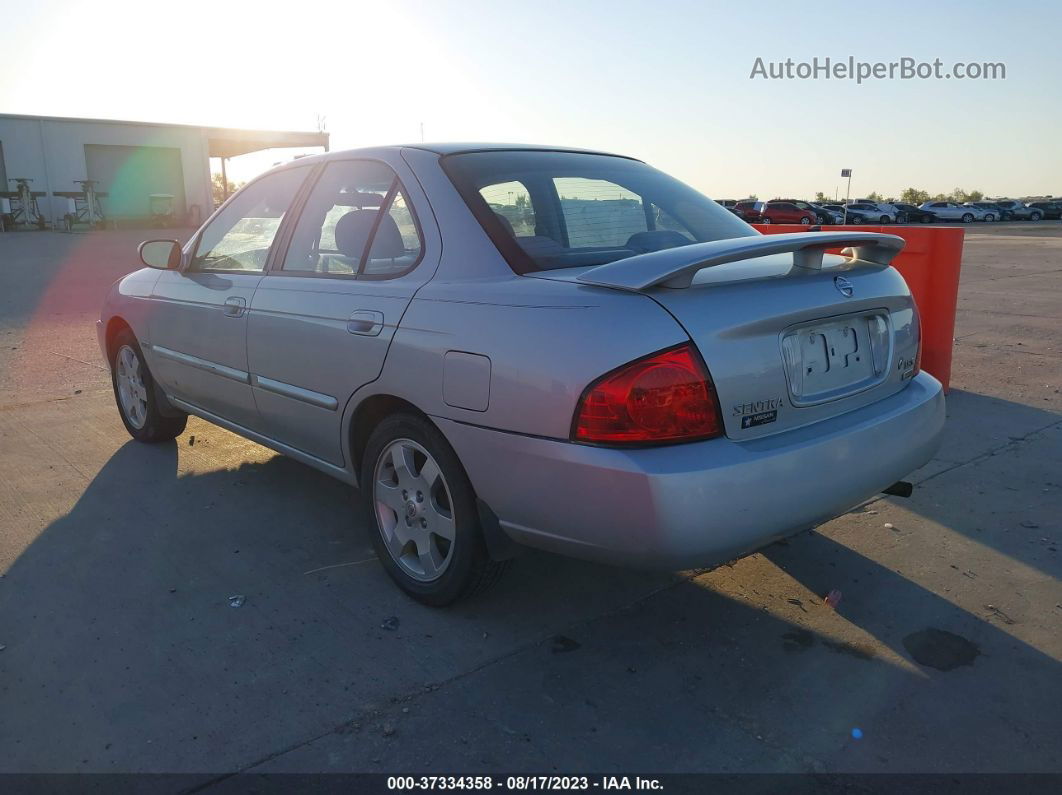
[(758, 412)]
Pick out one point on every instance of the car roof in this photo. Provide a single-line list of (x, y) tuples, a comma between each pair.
[(443, 149), (454, 148)]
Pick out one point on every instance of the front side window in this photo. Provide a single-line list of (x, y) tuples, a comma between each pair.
[(549, 209), (355, 203), (239, 238)]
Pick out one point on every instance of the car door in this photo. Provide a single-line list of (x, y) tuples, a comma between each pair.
[(198, 324), (321, 320)]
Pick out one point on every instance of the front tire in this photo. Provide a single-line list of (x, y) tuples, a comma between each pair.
[(765, 221), (134, 392), (422, 511), (1035, 217), (805, 221), (967, 218)]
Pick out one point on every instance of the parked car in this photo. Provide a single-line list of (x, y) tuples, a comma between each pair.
[(1019, 211), (826, 215), (728, 203), (909, 214), (749, 210), (992, 212), (891, 210), (1001, 213), (660, 386), (872, 213), (843, 216), (786, 212), (821, 216), (1052, 210), (950, 211)]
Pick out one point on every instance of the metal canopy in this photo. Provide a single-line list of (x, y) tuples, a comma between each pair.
[(225, 142)]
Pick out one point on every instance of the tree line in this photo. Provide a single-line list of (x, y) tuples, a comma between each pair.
[(915, 196)]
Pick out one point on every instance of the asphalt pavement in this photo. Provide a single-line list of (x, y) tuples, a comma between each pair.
[(121, 650)]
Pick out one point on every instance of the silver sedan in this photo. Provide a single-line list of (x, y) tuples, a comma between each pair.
[(506, 346)]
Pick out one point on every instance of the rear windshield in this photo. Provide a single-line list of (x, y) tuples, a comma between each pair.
[(547, 210)]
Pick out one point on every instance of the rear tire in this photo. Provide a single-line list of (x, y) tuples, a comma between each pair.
[(422, 513), (134, 393), (765, 221)]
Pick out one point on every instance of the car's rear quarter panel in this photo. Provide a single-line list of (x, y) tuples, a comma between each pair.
[(546, 342)]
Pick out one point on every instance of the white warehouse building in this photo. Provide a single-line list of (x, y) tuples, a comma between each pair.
[(129, 160)]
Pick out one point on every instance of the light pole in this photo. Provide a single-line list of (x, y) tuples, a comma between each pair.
[(846, 172)]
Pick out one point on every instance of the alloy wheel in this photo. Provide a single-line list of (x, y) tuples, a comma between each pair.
[(132, 393), (414, 510)]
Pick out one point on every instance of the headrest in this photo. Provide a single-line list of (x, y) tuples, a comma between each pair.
[(656, 240), (388, 242), (358, 199), (505, 222), (353, 230)]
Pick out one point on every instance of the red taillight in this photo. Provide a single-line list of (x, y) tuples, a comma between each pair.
[(666, 397)]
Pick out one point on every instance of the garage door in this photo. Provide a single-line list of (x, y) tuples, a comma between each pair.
[(130, 174)]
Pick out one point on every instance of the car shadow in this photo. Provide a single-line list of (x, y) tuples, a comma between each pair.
[(995, 479), (188, 618)]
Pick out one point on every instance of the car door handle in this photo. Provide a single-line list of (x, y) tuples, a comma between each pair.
[(235, 306), (366, 322)]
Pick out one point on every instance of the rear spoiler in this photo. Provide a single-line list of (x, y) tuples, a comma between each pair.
[(676, 267)]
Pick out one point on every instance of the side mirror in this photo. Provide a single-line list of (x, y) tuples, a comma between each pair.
[(162, 254)]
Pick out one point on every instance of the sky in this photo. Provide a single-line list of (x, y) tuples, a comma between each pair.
[(668, 82)]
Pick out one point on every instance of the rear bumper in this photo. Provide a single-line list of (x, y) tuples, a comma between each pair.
[(700, 503)]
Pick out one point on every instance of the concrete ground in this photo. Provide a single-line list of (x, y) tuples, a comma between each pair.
[(119, 650)]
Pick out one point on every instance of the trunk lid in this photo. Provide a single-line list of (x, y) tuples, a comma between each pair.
[(789, 351), (788, 346)]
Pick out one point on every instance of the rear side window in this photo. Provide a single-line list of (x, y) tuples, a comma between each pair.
[(550, 209), (356, 222), (396, 245)]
